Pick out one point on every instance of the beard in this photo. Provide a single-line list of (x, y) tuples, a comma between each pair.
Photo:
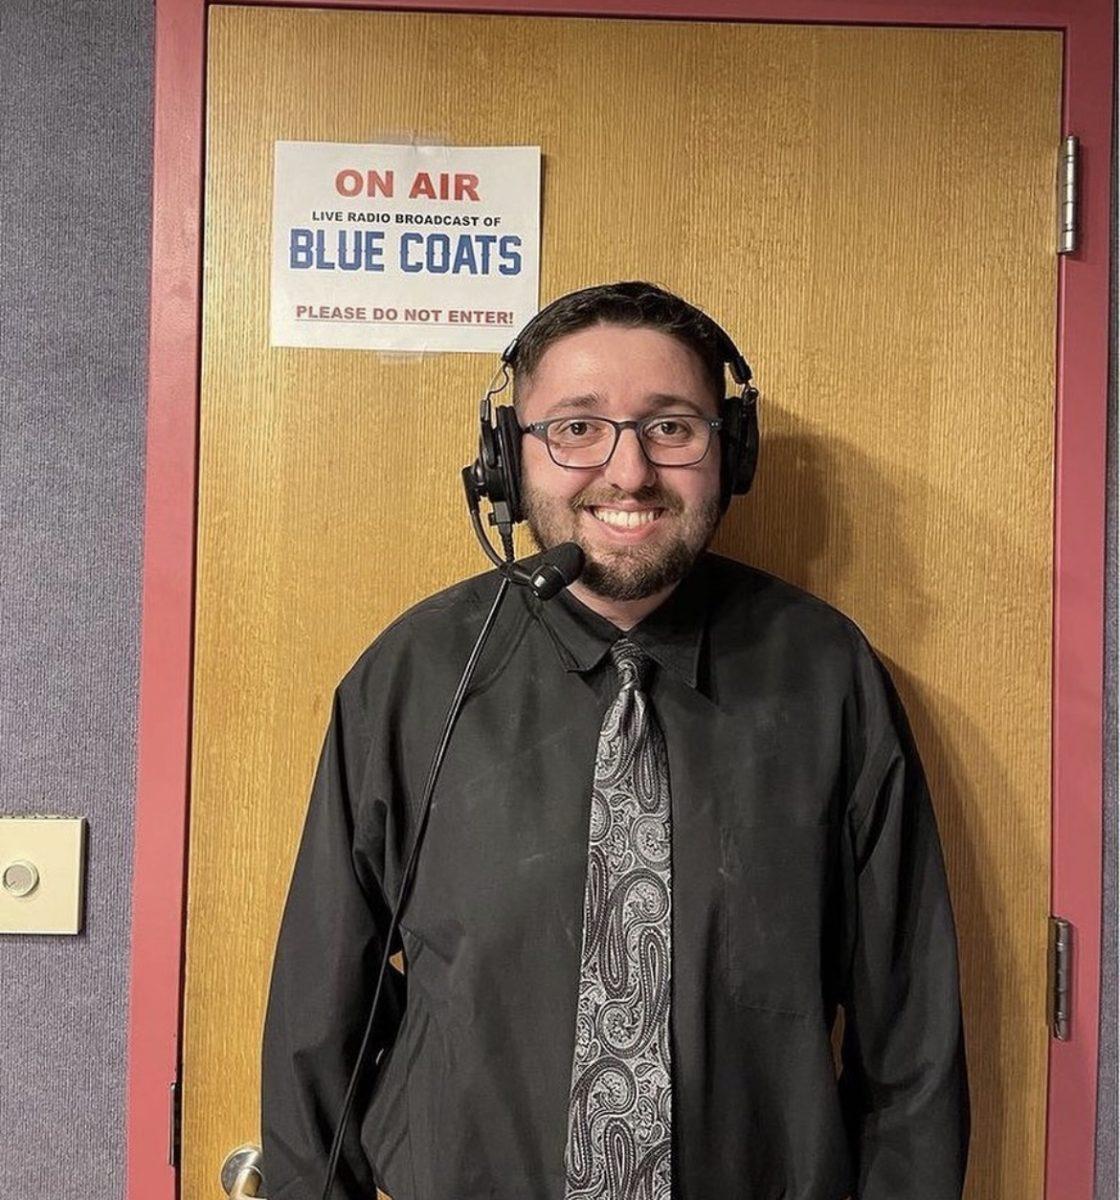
[(624, 572)]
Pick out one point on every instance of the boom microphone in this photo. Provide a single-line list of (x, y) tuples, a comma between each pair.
[(555, 569)]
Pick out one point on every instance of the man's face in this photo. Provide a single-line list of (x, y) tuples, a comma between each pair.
[(626, 374)]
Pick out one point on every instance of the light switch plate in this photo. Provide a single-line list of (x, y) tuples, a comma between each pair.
[(42, 874)]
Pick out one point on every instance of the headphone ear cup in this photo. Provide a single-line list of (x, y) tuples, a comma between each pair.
[(487, 477), (508, 442), (749, 440), (739, 445), (728, 449)]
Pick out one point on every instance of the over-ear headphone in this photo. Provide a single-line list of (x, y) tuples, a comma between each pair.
[(496, 472)]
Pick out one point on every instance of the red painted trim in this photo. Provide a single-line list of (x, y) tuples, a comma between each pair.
[(168, 586), (1079, 565), (163, 767), (1039, 14)]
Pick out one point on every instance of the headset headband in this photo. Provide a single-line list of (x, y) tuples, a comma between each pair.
[(732, 357)]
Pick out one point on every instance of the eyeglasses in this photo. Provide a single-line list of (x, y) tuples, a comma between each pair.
[(667, 439)]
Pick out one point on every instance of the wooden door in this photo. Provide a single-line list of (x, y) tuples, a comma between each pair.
[(870, 212)]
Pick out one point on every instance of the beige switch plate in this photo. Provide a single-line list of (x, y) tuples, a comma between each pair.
[(56, 848)]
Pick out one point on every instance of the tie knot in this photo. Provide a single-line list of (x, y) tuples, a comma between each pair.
[(631, 662)]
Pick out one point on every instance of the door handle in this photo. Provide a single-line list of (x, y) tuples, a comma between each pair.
[(242, 1173)]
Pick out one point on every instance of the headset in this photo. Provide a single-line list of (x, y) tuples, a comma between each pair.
[(496, 472), (496, 475)]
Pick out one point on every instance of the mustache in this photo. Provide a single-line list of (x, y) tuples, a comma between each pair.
[(656, 497)]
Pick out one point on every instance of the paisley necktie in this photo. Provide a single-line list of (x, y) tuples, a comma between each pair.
[(620, 1105)]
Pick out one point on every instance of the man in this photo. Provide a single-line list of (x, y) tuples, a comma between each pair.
[(680, 820)]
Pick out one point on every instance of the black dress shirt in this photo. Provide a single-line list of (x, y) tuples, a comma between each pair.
[(807, 872)]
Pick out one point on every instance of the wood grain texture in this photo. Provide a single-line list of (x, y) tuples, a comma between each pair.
[(870, 212)]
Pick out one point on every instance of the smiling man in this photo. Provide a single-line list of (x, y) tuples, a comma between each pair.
[(642, 506), (681, 822)]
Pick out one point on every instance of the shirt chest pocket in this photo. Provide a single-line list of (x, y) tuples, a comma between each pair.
[(775, 880)]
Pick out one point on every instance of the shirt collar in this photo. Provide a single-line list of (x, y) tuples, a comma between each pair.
[(672, 634)]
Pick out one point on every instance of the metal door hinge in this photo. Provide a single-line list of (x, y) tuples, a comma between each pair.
[(1067, 196), (1059, 963), (175, 1113)]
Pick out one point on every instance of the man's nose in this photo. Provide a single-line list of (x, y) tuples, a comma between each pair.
[(629, 469)]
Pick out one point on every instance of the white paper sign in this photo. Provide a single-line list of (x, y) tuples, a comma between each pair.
[(386, 247)]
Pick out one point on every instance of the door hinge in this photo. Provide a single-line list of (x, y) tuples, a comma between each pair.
[(175, 1115), (1067, 195), (1059, 960)]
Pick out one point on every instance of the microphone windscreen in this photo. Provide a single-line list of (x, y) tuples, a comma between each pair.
[(567, 558), (556, 568)]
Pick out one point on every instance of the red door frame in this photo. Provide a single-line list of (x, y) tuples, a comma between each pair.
[(159, 891)]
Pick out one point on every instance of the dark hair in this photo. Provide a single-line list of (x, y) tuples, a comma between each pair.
[(634, 304)]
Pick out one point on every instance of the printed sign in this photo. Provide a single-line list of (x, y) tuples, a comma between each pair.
[(386, 247)]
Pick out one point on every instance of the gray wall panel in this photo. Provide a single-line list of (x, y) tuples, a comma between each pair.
[(75, 155)]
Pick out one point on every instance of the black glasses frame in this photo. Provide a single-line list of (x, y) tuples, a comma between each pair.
[(539, 429)]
